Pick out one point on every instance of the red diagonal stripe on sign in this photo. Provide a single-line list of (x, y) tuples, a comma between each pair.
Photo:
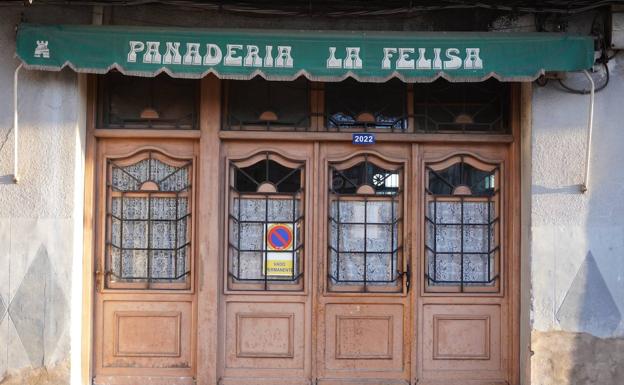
[(279, 236)]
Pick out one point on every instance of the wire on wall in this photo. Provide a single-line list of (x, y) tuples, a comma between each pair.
[(349, 8), (587, 91), (597, 30)]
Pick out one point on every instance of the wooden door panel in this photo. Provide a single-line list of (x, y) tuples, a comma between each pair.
[(363, 338), (256, 380), (465, 335), (361, 381), (363, 328), (146, 335), (266, 330), (144, 330), (463, 341), (263, 335)]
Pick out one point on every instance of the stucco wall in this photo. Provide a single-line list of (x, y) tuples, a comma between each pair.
[(37, 215), (578, 239)]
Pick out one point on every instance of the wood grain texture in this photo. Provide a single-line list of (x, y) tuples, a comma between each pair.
[(209, 221), (237, 335), (134, 336), (146, 338), (265, 335)]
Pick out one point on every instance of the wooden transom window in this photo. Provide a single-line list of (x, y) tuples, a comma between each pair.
[(135, 102), (149, 208), (266, 223), (260, 104), (462, 225), (481, 107), (365, 225), (355, 106)]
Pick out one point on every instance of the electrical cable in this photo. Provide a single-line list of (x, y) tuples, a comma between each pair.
[(603, 60), (343, 9), (542, 81), (586, 92)]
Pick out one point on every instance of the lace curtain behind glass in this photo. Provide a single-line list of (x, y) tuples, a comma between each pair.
[(461, 226), (364, 227), (149, 221), (266, 195)]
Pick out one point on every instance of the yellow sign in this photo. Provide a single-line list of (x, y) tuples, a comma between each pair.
[(279, 264)]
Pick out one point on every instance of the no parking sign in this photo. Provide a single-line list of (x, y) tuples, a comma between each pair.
[(280, 237), (280, 255)]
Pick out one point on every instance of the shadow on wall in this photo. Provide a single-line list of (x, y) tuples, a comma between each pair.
[(589, 306), (571, 189), (574, 356)]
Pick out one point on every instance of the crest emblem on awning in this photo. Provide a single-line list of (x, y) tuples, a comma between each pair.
[(42, 49)]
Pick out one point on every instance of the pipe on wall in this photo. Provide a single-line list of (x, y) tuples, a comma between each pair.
[(590, 127), (15, 126)]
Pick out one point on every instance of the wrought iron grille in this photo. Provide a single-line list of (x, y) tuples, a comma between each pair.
[(161, 102), (259, 104), (462, 224), (481, 107), (365, 225), (148, 211), (266, 225), (354, 106)]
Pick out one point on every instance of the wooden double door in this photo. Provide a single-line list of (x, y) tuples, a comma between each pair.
[(396, 271), (337, 264)]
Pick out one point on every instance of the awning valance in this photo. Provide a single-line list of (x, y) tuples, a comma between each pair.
[(317, 55)]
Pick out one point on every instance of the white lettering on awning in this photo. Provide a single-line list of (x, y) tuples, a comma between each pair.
[(252, 55)]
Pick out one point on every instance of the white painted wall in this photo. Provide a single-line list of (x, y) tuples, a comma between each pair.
[(39, 229), (566, 225)]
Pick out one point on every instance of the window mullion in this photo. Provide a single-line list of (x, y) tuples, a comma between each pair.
[(149, 238)]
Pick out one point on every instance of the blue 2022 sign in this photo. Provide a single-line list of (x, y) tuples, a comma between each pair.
[(363, 139)]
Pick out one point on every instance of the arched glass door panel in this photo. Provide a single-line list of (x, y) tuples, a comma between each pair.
[(265, 240), (365, 225), (148, 237), (462, 225)]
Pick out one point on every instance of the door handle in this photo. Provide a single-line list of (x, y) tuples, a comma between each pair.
[(408, 278), (98, 278)]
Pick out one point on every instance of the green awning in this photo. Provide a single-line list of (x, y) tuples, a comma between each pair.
[(317, 55)]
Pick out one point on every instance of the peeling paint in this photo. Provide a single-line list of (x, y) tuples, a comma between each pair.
[(565, 358), (53, 375)]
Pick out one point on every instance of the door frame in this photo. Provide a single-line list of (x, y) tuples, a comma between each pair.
[(208, 279), (363, 306), (236, 304), (475, 304), (127, 302)]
